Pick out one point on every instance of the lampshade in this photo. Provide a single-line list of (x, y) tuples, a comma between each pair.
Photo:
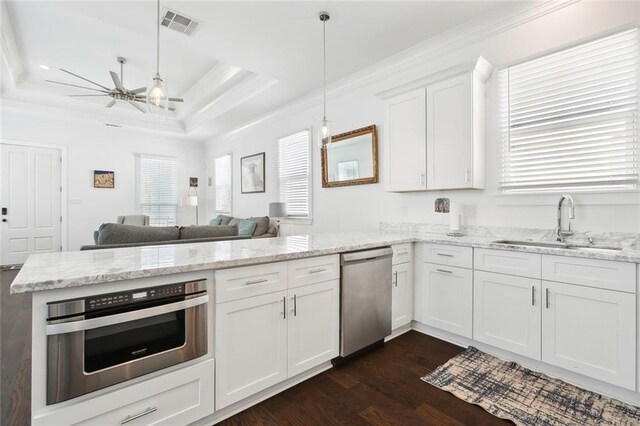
[(189, 201), (277, 209)]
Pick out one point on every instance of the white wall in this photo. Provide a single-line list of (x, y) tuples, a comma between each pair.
[(360, 207), (94, 146)]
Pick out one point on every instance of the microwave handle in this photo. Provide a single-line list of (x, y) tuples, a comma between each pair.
[(89, 324)]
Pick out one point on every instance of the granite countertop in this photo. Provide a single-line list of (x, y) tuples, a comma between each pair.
[(78, 268)]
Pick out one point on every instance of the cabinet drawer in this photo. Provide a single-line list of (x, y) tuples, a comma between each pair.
[(442, 254), (607, 274), (402, 253), (313, 270), (180, 397), (247, 281), (507, 262)]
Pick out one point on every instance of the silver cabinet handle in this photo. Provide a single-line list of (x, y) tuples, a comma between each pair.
[(131, 418), (284, 307), (315, 271), (533, 296), (547, 297), (295, 305), (258, 281), (445, 271), (395, 278), (444, 254)]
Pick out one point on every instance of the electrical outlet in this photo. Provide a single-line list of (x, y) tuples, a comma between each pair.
[(210, 181), (470, 211)]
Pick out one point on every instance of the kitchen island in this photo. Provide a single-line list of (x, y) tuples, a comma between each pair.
[(258, 291)]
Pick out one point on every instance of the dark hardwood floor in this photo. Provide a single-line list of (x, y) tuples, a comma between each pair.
[(15, 354), (382, 387)]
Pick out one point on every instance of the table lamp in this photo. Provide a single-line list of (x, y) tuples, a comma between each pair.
[(278, 211)]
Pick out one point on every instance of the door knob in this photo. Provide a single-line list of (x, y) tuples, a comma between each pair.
[(4, 220)]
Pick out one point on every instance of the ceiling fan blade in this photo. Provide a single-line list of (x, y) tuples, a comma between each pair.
[(112, 103), (138, 107), (116, 81), (176, 100), (144, 101), (138, 90), (80, 96), (85, 79), (75, 85)]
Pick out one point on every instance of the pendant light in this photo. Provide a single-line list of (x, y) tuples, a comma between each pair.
[(324, 135), (157, 99)]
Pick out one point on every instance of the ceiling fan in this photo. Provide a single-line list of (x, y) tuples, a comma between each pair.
[(119, 93)]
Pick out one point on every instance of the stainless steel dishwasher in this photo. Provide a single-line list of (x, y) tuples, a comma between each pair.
[(365, 299)]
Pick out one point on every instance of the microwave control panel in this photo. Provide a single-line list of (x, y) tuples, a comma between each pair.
[(126, 297)]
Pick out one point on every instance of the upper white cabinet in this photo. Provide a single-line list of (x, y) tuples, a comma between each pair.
[(435, 131), (406, 135)]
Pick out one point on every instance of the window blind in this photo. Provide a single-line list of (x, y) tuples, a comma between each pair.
[(157, 190), (294, 166), (569, 119), (222, 169)]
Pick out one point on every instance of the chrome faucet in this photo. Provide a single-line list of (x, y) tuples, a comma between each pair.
[(561, 233)]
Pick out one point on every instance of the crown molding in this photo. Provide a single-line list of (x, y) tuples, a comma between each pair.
[(471, 32)]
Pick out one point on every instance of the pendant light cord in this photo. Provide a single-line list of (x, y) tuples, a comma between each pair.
[(158, 41), (324, 70)]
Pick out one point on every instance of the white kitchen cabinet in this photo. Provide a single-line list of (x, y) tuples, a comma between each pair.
[(446, 298), (313, 333), (405, 128), (506, 312), (250, 346), (590, 331), (435, 130), (402, 295)]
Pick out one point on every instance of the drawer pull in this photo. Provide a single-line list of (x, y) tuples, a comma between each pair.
[(315, 271), (444, 254), (445, 271), (295, 305), (148, 410), (261, 280), (533, 296), (547, 301), (395, 278)]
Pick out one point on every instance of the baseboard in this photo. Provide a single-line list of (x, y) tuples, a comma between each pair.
[(399, 332), (607, 389)]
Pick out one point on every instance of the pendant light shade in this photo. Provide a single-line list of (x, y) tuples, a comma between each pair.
[(324, 133), (157, 94)]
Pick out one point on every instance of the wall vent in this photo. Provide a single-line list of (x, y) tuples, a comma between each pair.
[(178, 22)]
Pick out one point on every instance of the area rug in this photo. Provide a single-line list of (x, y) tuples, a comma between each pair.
[(510, 391)]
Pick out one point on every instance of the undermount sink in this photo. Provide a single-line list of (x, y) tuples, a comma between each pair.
[(551, 244)]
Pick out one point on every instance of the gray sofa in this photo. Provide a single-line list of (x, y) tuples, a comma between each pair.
[(261, 229), (114, 235)]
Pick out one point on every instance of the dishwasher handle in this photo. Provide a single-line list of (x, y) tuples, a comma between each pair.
[(358, 256)]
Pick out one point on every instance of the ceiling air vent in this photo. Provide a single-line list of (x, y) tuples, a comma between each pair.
[(176, 21)]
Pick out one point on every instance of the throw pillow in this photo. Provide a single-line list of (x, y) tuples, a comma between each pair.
[(224, 220), (262, 225), (216, 221), (245, 227)]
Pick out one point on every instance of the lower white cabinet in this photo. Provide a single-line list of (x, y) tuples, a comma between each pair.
[(402, 295), (313, 326), (506, 312), (447, 298), (263, 340), (250, 346), (590, 331)]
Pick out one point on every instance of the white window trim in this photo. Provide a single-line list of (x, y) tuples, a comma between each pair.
[(140, 156), (230, 212), (622, 196), (300, 220)]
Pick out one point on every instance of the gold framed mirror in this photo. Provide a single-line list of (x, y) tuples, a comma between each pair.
[(351, 158)]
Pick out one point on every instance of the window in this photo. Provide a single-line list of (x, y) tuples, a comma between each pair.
[(294, 172), (222, 170), (569, 119), (157, 191)]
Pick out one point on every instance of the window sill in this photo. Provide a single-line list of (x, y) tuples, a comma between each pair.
[(297, 220)]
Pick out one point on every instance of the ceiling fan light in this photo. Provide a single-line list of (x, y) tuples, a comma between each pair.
[(324, 135), (157, 100)]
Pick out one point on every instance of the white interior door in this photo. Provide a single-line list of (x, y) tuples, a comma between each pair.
[(32, 198)]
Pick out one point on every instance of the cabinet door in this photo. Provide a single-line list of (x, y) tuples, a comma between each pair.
[(506, 312), (590, 331), (449, 134), (314, 325), (447, 298), (250, 346), (406, 142), (402, 295)]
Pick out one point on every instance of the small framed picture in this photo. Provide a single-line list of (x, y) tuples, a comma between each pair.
[(193, 182), (104, 179), (252, 173)]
